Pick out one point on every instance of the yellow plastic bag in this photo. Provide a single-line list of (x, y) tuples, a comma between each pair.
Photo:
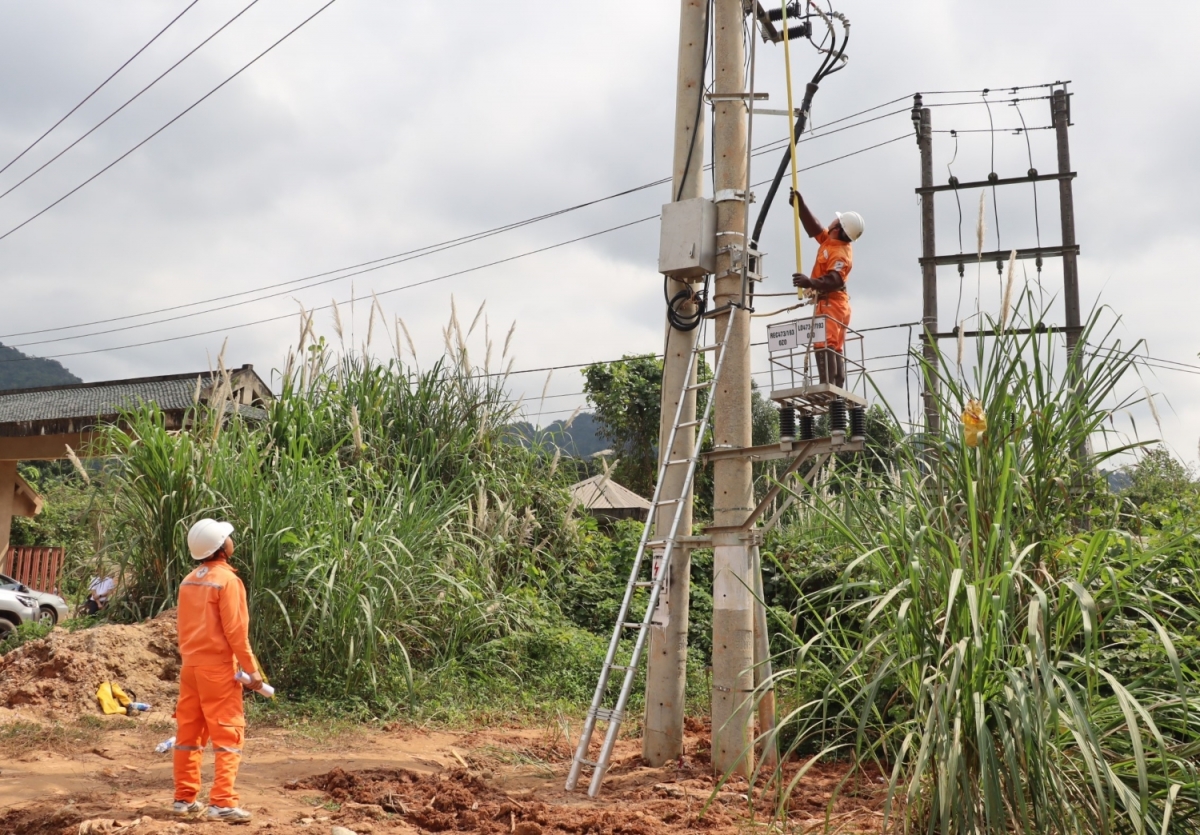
[(112, 698), (974, 422)]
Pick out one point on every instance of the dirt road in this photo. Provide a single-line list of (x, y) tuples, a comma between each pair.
[(56, 778)]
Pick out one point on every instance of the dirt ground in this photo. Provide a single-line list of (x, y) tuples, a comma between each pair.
[(69, 779), (65, 769)]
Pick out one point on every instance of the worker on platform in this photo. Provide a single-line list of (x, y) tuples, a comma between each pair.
[(213, 641), (830, 272)]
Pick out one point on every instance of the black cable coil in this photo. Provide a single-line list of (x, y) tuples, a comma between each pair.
[(787, 423), (679, 320)]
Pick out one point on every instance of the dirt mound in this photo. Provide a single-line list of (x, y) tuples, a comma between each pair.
[(60, 673), (458, 801)]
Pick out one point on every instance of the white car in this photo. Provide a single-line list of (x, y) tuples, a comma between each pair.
[(15, 608), (50, 607)]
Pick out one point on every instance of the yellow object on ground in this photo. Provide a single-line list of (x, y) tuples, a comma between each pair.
[(112, 698), (974, 422)]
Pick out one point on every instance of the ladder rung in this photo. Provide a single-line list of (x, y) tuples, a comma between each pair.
[(671, 462), (688, 423), (654, 543), (669, 501), (697, 386), (592, 763), (644, 584), (623, 669), (634, 625), (699, 349)]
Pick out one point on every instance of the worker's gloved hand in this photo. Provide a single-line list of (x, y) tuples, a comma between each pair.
[(256, 682), (791, 197), (801, 280)]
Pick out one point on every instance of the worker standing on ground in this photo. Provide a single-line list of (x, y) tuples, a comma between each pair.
[(214, 625), (829, 275)]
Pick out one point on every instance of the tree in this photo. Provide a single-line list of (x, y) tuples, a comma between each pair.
[(625, 395)]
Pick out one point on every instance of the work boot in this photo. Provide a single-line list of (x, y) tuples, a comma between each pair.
[(827, 366), (183, 808), (234, 814), (839, 370)]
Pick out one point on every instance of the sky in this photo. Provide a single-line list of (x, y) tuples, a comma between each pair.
[(380, 128)]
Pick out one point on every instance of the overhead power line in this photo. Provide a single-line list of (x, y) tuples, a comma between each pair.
[(88, 97), (127, 102), (179, 116), (330, 276), (329, 306)]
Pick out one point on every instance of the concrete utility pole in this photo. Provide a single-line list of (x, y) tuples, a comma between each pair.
[(666, 674), (733, 499), (1060, 111), (929, 318)]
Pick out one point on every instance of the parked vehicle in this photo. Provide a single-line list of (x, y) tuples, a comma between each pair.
[(51, 608), (15, 608)]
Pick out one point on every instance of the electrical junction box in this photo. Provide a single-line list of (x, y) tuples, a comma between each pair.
[(687, 245)]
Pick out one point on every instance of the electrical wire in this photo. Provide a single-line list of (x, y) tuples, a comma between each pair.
[(128, 102), (88, 97), (372, 266), (209, 332), (1037, 224), (175, 119), (992, 175), (415, 253), (687, 165)]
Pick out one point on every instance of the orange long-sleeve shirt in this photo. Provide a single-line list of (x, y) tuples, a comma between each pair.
[(214, 621)]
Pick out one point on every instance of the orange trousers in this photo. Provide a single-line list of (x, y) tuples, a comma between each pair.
[(209, 707), (837, 317)]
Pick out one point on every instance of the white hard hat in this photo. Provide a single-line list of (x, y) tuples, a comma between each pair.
[(206, 536), (852, 222)]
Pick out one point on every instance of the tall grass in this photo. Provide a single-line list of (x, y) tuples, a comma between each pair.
[(382, 525), (977, 650)]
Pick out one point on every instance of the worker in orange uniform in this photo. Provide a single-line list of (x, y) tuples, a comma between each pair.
[(829, 274), (213, 637)]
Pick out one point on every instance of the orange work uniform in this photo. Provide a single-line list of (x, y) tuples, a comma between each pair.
[(214, 626), (834, 256)]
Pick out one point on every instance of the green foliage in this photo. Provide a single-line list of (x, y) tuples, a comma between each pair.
[(70, 519), (626, 396), (383, 530), (1005, 658), (24, 633), (20, 371)]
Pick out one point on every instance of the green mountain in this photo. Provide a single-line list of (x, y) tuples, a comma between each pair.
[(20, 371), (581, 440)]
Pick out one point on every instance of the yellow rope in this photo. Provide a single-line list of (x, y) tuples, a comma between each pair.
[(787, 60)]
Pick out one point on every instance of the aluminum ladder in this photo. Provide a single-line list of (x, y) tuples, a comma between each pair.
[(616, 714)]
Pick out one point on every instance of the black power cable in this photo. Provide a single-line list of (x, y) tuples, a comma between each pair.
[(679, 319), (832, 56)]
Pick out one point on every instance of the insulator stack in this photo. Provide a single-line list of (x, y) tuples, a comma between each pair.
[(787, 423), (837, 415), (808, 427), (858, 423)]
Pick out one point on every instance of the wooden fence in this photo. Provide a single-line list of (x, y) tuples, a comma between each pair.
[(38, 568)]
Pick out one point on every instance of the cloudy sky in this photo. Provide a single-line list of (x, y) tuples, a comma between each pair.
[(381, 128)]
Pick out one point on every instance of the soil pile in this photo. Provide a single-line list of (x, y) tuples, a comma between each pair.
[(458, 801), (60, 673)]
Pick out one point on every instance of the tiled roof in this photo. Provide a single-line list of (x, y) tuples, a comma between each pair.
[(96, 400)]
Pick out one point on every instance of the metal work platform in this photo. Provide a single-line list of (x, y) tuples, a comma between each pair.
[(795, 348)]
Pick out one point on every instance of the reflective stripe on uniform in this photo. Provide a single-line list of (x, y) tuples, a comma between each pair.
[(227, 750), (188, 748), (196, 583)]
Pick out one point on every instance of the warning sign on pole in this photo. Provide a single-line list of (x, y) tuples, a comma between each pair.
[(795, 335)]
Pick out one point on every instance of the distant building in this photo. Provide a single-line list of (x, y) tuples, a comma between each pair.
[(605, 499)]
